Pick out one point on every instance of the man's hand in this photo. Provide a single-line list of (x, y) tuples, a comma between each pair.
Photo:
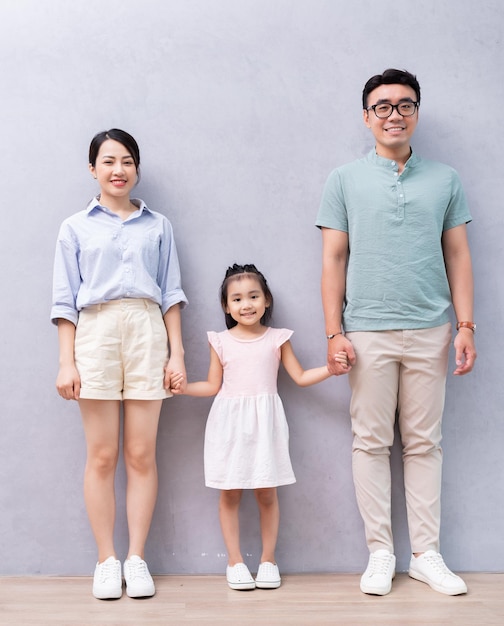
[(335, 364), (465, 352)]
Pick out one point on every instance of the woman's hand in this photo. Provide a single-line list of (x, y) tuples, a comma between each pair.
[(68, 382)]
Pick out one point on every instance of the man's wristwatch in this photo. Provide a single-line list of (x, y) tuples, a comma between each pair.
[(470, 325)]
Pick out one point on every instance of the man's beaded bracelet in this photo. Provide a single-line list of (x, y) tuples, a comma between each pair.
[(469, 325)]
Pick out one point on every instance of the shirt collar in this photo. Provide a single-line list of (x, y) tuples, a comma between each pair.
[(95, 204), (388, 163)]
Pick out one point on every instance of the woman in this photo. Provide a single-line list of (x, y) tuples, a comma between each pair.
[(116, 301)]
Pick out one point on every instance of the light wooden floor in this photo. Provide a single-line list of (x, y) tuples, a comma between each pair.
[(307, 600)]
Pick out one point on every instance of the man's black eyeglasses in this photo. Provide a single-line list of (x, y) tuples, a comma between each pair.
[(383, 110)]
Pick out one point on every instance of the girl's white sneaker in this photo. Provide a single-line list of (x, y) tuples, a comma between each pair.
[(268, 576), (238, 577)]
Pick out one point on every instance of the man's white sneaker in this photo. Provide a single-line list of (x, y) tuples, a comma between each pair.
[(430, 568), (107, 581), (377, 579), (139, 583)]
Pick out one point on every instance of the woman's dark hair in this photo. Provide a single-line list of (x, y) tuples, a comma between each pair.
[(390, 77), (237, 272), (117, 135)]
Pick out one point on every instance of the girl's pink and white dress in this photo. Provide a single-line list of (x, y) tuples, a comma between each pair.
[(247, 436)]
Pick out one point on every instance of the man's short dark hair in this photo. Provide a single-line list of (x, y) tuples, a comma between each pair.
[(390, 77)]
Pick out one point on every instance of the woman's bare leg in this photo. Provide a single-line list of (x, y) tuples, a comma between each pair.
[(101, 426)]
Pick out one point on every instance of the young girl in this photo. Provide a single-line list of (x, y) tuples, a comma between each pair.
[(246, 439), (116, 300)]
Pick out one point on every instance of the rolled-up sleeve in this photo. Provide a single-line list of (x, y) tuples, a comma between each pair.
[(169, 278), (66, 278)]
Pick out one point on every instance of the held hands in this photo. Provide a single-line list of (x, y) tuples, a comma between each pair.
[(177, 383), (465, 352), (68, 382), (340, 355), (175, 376)]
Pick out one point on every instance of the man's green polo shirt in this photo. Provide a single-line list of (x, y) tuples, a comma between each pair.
[(396, 277)]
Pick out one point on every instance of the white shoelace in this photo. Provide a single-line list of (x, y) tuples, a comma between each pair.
[(379, 564), (109, 571), (137, 569), (437, 563)]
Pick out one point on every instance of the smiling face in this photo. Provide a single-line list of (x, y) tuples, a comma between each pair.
[(393, 134), (115, 170), (246, 302)]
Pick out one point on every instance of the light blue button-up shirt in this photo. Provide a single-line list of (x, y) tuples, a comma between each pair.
[(99, 257)]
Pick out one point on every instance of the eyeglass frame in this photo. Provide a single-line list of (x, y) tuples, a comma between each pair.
[(394, 106)]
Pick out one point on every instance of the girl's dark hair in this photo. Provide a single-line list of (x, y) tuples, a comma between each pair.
[(390, 77), (117, 135), (249, 271)]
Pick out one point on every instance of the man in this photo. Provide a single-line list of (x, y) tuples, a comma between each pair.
[(395, 258)]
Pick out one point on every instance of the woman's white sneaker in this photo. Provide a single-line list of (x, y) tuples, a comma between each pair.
[(430, 568), (139, 583), (107, 581)]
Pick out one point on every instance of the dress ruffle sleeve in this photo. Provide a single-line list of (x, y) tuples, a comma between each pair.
[(215, 342), (281, 336)]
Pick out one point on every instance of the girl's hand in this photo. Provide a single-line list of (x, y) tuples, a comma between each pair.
[(68, 382), (177, 383), (342, 357)]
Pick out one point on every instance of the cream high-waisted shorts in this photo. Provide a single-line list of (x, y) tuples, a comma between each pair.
[(121, 350)]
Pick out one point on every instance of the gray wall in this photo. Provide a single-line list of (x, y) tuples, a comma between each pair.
[(241, 109)]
